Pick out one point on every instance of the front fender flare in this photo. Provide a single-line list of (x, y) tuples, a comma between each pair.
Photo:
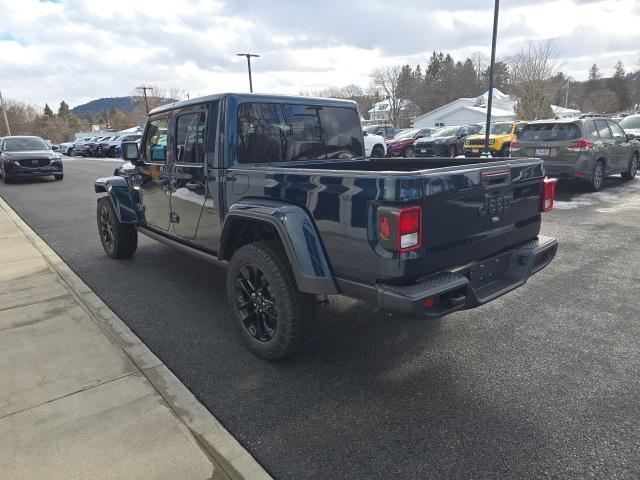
[(298, 236), (122, 197)]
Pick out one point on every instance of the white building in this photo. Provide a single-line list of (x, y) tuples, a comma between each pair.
[(470, 110), (380, 113)]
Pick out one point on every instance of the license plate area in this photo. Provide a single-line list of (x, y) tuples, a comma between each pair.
[(488, 271), (544, 152)]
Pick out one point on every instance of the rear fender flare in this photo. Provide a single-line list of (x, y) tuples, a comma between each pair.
[(123, 198), (298, 236)]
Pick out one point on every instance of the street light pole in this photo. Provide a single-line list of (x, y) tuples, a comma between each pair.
[(490, 94), (249, 55)]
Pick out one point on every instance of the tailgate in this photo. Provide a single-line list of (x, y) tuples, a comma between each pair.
[(472, 213), (555, 152)]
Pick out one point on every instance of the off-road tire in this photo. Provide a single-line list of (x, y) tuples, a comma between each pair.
[(295, 311), (632, 170), (597, 177), (123, 238), (58, 176)]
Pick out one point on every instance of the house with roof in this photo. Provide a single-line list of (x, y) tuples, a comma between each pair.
[(470, 110), (380, 113)]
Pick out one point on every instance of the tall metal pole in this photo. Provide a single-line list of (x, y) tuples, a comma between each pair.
[(144, 94), (490, 95), (4, 115), (249, 55)]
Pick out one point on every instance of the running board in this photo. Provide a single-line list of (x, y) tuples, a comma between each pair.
[(207, 257)]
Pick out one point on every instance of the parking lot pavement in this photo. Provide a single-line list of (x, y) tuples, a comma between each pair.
[(80, 395), (543, 382)]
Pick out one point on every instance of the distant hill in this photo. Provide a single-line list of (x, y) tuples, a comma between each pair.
[(96, 107)]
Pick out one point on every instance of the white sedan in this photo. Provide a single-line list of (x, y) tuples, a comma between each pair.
[(374, 146)]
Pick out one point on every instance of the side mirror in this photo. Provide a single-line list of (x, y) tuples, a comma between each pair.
[(631, 136), (130, 152), (364, 132)]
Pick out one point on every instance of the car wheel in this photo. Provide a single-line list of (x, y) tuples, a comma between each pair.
[(453, 151), (377, 151), (632, 171), (274, 317), (119, 240), (410, 152), (58, 176), (597, 177), (71, 152), (6, 178), (505, 152)]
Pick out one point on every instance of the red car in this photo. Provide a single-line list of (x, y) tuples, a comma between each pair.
[(402, 144)]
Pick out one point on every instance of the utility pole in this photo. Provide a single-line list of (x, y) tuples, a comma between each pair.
[(486, 151), (249, 55), (4, 115), (144, 94), (106, 120)]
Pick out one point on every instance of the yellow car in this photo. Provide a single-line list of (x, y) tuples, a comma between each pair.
[(500, 137)]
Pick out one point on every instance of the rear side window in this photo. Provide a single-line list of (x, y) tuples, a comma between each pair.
[(155, 145), (274, 132), (603, 129), (190, 135), (550, 132), (590, 129)]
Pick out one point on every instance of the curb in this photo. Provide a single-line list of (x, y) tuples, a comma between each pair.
[(208, 432)]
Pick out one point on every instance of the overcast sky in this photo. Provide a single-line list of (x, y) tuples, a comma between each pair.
[(79, 50)]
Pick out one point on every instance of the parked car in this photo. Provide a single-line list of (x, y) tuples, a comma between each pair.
[(296, 213), (631, 125), (402, 144), (108, 148), (80, 146), (446, 142), (92, 148), (386, 131), (374, 145), (501, 134), (66, 148), (581, 149), (23, 156)]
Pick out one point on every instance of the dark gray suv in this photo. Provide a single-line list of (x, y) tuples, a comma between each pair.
[(584, 149)]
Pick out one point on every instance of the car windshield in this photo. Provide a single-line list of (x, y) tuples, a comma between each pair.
[(371, 129), (446, 132), (24, 144), (407, 133), (281, 132), (632, 121), (497, 129), (548, 132)]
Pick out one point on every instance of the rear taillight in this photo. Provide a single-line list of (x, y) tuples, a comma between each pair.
[(547, 194), (400, 229), (581, 144), (515, 145)]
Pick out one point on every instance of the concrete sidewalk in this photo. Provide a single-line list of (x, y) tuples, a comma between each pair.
[(80, 395)]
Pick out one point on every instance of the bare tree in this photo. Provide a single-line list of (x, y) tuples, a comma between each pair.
[(531, 71), (480, 63), (387, 80)]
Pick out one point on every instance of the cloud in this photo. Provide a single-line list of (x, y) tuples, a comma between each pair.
[(78, 50)]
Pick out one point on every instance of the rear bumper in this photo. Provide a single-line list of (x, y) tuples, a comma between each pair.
[(565, 171), (462, 288)]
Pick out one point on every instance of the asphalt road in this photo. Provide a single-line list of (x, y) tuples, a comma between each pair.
[(544, 382)]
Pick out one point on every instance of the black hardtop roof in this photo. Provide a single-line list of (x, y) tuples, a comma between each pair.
[(256, 97)]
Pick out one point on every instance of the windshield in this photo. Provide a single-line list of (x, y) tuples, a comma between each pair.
[(548, 132), (372, 129), (281, 132), (632, 121), (24, 144), (497, 129), (407, 133), (446, 132)]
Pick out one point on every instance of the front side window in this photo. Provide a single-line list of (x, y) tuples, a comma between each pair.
[(155, 145), (616, 131), (275, 132), (603, 129), (190, 135)]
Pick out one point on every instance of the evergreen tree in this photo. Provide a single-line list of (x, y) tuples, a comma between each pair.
[(63, 110), (47, 111), (620, 86)]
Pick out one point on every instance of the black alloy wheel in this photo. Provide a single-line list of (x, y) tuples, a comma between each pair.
[(410, 152), (105, 223), (256, 303), (631, 173), (453, 151)]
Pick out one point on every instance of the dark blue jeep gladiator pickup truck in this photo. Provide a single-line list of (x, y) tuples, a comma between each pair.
[(277, 190)]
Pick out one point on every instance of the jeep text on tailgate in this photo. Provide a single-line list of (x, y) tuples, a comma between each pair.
[(277, 189)]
